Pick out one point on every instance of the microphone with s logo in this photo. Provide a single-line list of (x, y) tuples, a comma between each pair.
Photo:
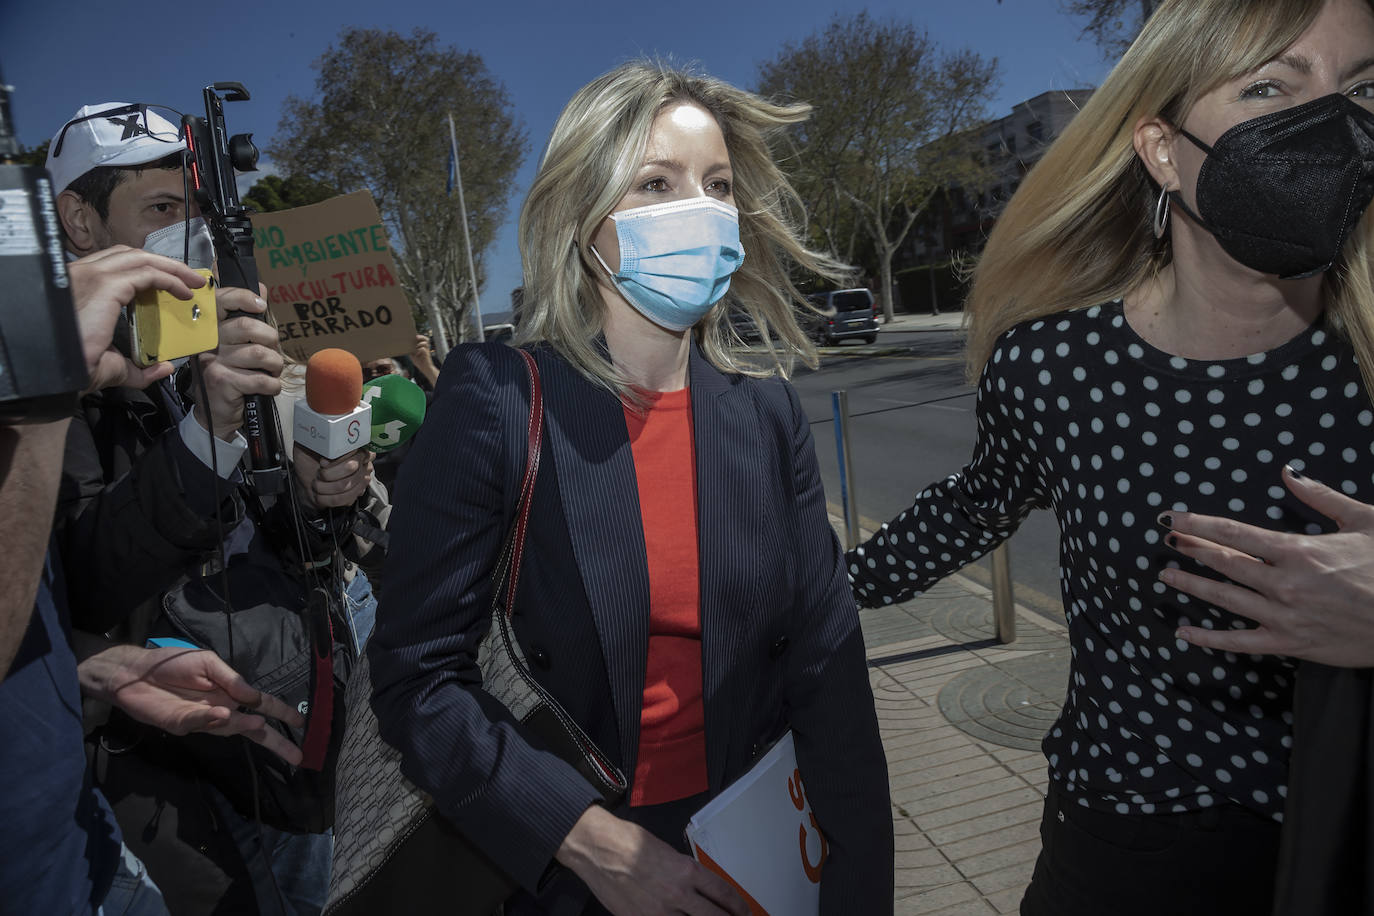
[(331, 421)]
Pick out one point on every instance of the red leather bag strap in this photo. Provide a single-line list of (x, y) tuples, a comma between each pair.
[(319, 722), (533, 439)]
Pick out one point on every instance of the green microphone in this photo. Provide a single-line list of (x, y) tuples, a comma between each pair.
[(398, 409)]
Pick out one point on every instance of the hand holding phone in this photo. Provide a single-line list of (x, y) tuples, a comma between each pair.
[(165, 327), (247, 362), (102, 284)]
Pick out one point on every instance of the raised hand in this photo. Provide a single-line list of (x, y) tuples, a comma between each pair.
[(247, 361), (326, 482), (188, 690), (102, 285)]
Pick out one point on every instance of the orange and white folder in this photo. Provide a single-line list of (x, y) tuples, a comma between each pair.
[(760, 836)]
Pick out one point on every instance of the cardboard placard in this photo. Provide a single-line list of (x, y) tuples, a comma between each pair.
[(331, 280)]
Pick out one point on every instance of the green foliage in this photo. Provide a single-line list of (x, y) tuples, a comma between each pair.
[(273, 192), (892, 126), (379, 121), (36, 156)]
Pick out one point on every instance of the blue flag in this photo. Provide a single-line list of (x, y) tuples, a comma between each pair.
[(452, 172)]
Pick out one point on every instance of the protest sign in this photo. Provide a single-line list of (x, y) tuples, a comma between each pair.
[(331, 280)]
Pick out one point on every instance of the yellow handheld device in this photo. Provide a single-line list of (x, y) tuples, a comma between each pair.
[(165, 327)]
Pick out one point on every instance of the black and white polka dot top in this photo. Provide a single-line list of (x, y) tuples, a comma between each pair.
[(1077, 413)]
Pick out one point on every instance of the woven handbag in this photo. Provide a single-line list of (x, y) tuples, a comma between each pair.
[(393, 853)]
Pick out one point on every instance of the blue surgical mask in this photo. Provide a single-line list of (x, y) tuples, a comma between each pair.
[(676, 258)]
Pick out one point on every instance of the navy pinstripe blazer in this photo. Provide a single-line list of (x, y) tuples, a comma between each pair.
[(780, 636)]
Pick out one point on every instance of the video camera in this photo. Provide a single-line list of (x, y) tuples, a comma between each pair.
[(42, 366)]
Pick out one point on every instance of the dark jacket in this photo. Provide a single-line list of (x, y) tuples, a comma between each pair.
[(781, 644), (1326, 859), (136, 510)]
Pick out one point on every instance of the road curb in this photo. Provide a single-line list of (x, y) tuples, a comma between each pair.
[(921, 329), (865, 350)]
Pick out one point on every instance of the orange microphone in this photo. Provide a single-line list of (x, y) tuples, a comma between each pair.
[(330, 421)]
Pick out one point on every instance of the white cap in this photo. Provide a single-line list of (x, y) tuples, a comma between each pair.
[(126, 139)]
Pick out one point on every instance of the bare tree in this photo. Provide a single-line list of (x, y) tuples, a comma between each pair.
[(891, 128), (379, 122), (1113, 24)]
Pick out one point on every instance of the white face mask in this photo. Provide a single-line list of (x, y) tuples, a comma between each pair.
[(171, 241)]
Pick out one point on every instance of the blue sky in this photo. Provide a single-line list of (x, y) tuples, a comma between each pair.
[(60, 54)]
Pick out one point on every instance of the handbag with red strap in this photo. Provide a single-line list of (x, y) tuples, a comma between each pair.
[(392, 852)]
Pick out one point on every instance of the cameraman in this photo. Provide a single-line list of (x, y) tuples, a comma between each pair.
[(60, 848), (28, 487), (149, 533)]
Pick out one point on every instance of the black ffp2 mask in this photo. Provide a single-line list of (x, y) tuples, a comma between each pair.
[(1281, 192)]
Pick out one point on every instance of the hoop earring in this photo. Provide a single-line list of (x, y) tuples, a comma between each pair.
[(1162, 213)]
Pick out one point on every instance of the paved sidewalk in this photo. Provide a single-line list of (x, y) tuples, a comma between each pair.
[(908, 321), (961, 718)]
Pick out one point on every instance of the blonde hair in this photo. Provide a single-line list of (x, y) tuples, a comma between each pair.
[(1079, 230), (597, 146)]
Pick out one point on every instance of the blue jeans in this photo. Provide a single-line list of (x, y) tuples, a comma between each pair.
[(132, 893), (361, 606), (291, 878)]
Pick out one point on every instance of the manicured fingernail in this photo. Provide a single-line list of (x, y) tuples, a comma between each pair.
[(1294, 472), (1165, 519), (1180, 634), (1172, 541), (262, 303), (1167, 575)]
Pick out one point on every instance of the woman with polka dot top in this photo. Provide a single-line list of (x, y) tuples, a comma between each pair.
[(1173, 386)]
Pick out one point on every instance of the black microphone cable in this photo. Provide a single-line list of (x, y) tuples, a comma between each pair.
[(198, 380)]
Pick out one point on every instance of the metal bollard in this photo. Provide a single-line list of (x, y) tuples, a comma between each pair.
[(1003, 604), (839, 401)]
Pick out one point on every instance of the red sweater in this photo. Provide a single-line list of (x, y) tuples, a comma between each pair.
[(672, 719)]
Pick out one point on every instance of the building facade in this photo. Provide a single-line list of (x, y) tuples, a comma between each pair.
[(958, 221)]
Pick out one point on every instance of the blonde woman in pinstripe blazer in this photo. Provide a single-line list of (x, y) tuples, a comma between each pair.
[(775, 623)]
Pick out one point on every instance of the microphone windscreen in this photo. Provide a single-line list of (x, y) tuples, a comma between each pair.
[(333, 381), (398, 409)]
